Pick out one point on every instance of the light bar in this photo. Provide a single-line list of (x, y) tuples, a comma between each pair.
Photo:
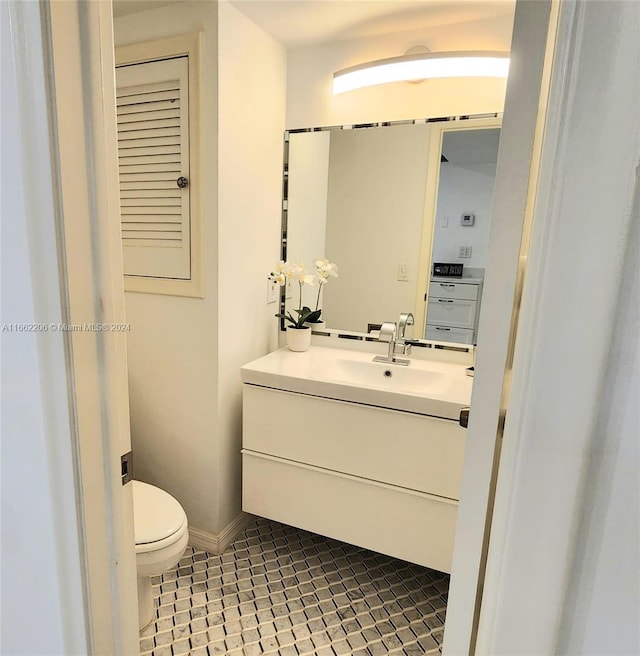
[(421, 67)]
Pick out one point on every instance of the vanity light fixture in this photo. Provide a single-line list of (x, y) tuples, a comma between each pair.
[(421, 66)]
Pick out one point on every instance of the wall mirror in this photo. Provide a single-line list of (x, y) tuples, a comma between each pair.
[(389, 203)]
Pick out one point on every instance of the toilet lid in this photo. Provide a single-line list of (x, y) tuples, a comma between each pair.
[(156, 514)]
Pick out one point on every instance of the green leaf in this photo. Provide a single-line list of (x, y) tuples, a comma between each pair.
[(288, 317), (312, 316)]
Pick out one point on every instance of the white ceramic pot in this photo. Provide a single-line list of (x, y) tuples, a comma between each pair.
[(317, 325), (298, 339)]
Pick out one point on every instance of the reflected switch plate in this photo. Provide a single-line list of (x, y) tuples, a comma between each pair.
[(403, 273), (273, 291)]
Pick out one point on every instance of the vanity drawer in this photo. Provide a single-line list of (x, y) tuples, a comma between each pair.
[(401, 523), (399, 448), (452, 313), (447, 334), (460, 290)]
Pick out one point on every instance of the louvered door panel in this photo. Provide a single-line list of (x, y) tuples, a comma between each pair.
[(153, 152)]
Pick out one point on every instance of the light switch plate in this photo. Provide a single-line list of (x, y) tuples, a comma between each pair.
[(465, 251), (403, 273), (273, 291)]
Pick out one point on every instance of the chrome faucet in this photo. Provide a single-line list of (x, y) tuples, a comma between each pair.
[(406, 319), (389, 330)]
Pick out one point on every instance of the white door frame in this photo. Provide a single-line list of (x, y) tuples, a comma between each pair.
[(518, 155), (549, 587), (578, 213), (83, 77), (62, 71)]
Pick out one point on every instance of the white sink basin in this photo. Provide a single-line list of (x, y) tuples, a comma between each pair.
[(410, 379), (425, 387)]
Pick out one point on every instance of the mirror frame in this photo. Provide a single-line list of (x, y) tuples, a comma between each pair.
[(441, 125)]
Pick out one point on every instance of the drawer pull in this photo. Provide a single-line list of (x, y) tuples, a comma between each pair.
[(444, 300), (444, 284), (441, 328)]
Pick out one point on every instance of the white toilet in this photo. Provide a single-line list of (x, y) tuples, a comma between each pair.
[(161, 532)]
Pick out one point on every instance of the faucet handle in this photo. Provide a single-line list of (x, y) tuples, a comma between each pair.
[(387, 331), (403, 347)]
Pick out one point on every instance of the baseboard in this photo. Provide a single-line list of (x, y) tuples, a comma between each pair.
[(217, 543)]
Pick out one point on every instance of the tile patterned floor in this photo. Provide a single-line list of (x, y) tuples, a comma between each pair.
[(280, 590)]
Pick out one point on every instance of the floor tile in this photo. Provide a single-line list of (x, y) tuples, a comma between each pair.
[(287, 592)]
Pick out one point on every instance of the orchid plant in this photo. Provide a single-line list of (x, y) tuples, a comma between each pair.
[(297, 272)]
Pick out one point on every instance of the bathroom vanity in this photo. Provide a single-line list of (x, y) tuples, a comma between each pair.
[(368, 453)]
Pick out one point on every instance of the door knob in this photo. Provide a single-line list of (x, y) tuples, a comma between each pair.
[(464, 417)]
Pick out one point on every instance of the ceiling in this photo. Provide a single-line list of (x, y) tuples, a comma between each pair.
[(296, 23), (464, 147), (304, 22)]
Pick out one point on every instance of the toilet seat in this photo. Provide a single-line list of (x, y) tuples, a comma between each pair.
[(158, 519)]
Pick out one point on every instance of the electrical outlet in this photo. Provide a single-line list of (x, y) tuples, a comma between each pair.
[(273, 291), (403, 273), (465, 251), (444, 221)]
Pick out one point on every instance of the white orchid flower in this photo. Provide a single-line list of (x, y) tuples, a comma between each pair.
[(325, 270), (279, 273), (298, 272)]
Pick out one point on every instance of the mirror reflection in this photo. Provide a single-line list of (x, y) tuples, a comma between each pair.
[(462, 220), (387, 204)]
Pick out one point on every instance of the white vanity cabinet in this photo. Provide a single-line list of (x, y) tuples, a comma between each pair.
[(453, 308), (378, 478)]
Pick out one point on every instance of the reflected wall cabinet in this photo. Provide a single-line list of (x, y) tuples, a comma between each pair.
[(453, 309)]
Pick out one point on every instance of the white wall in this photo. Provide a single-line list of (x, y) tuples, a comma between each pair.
[(464, 188), (310, 100), (185, 354), (252, 91), (375, 214), (173, 343)]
